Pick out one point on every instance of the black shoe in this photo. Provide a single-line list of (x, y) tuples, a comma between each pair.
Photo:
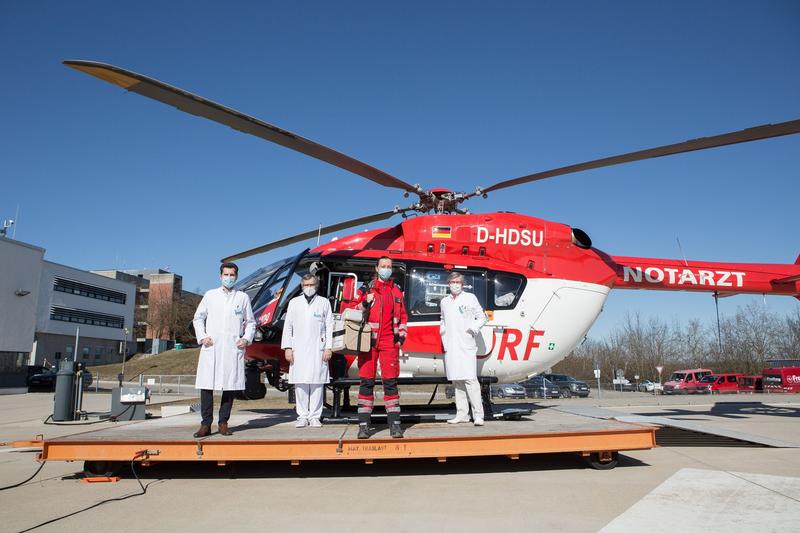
[(363, 432), (395, 431)]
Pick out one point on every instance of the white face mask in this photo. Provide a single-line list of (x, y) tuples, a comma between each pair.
[(455, 288), (309, 291), (228, 281)]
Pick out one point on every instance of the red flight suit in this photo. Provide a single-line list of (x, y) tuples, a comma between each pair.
[(388, 320)]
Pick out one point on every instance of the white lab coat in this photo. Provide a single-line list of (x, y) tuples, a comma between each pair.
[(225, 316), (308, 331), (460, 314)]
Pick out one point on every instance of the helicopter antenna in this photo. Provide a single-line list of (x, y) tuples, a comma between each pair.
[(319, 233), (685, 262)]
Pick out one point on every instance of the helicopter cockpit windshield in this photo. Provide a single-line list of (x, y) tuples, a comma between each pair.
[(268, 285), (253, 283)]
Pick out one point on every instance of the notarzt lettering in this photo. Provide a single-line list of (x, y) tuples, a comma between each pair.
[(683, 276)]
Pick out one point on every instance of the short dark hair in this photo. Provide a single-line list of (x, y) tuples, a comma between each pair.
[(223, 266), (381, 258)]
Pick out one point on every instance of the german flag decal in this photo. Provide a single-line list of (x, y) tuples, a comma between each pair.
[(441, 232)]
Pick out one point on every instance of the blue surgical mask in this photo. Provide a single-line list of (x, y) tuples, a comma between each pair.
[(385, 273), (228, 282)]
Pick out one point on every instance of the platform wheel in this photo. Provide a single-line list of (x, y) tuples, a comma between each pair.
[(102, 468), (603, 460)]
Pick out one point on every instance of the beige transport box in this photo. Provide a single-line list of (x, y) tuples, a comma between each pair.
[(351, 333)]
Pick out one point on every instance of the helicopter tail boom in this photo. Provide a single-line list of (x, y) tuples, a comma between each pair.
[(724, 279)]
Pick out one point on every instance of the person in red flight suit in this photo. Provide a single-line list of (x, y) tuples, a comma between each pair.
[(383, 300)]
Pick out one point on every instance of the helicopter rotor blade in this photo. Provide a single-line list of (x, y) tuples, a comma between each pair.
[(765, 131), (315, 232), (197, 105)]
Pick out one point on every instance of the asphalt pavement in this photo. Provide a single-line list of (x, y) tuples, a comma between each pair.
[(691, 488)]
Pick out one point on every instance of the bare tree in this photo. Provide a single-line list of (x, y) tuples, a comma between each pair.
[(750, 338)]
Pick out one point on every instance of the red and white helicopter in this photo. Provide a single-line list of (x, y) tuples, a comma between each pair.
[(542, 283)]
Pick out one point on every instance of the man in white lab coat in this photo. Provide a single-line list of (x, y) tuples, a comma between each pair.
[(224, 325), (462, 319), (307, 339)]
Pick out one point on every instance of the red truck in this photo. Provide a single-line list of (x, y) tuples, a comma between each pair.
[(785, 379), (686, 381), (720, 384)]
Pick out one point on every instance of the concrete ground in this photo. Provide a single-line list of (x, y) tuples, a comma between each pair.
[(658, 489)]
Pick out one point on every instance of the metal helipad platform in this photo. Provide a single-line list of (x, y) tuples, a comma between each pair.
[(270, 435)]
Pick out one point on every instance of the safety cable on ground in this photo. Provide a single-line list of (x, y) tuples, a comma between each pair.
[(23, 482), (110, 418), (139, 454)]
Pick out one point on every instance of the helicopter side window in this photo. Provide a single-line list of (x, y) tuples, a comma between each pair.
[(427, 286), (506, 290)]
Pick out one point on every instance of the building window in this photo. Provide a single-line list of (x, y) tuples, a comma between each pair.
[(58, 356), (91, 318), (89, 291), (12, 362)]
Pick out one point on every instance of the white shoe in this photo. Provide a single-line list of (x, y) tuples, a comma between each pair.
[(301, 423), (478, 421), (457, 420), (315, 423)]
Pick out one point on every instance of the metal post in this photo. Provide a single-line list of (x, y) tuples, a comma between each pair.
[(77, 337), (719, 329), (124, 350), (79, 395)]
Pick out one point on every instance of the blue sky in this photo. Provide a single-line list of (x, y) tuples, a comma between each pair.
[(453, 94)]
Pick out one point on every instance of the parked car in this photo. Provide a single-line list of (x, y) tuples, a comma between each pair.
[(540, 387), (686, 381), (719, 384), (36, 369), (568, 385), (46, 381), (624, 385), (783, 379), (649, 386), (507, 390), (751, 384)]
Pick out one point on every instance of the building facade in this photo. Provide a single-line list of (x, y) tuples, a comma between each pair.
[(95, 310), (163, 309), (21, 265)]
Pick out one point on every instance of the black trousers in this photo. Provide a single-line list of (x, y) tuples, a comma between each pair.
[(207, 406)]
